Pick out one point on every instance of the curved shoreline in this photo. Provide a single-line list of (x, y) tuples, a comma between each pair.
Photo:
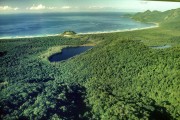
[(126, 30), (113, 31)]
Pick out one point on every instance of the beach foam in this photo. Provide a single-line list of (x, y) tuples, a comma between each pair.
[(98, 32), (13, 27)]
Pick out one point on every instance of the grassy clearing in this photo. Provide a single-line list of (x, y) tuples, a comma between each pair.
[(52, 50)]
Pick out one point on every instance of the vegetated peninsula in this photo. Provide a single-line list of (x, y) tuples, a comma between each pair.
[(69, 33), (122, 77)]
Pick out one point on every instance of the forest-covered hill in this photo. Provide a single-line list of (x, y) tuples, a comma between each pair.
[(122, 77), (168, 19)]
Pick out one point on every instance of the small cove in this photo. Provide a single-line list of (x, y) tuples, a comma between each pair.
[(68, 53), (161, 47)]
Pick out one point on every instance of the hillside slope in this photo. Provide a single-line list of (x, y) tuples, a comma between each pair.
[(121, 78), (168, 19)]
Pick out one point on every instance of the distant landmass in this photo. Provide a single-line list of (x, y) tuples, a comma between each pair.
[(170, 16)]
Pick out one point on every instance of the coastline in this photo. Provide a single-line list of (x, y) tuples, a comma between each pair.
[(125, 30), (88, 33)]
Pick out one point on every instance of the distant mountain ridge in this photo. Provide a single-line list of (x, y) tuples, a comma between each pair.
[(170, 16)]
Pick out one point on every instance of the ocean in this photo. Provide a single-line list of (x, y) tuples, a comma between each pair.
[(43, 24)]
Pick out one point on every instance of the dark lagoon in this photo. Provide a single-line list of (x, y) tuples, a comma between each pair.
[(68, 53)]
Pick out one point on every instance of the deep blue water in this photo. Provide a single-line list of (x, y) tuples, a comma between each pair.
[(42, 24), (68, 53)]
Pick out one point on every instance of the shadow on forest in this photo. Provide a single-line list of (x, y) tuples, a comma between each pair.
[(3, 53), (73, 107), (70, 106), (15, 101), (160, 113)]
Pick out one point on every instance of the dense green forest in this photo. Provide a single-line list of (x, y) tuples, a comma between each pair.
[(122, 77)]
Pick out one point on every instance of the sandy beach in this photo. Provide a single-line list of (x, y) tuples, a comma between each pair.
[(115, 31), (126, 30)]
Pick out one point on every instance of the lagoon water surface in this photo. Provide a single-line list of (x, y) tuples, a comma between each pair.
[(68, 53), (161, 47)]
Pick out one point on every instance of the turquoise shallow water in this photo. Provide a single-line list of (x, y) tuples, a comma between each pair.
[(42, 24)]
